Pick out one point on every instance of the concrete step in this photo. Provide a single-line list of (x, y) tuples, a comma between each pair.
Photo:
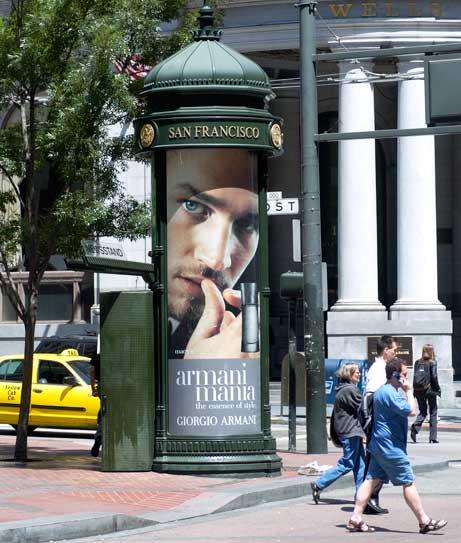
[(458, 402)]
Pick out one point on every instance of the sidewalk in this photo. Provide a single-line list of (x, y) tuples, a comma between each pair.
[(61, 493), (449, 419)]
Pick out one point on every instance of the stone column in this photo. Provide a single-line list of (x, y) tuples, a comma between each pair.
[(417, 311), (416, 201), (357, 229)]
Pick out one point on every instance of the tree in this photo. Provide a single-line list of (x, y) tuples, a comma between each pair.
[(59, 85)]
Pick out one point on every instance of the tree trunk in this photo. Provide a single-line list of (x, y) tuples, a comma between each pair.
[(20, 451)]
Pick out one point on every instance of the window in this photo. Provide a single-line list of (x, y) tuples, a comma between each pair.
[(60, 299), (11, 370), (55, 302), (82, 367), (53, 372), (7, 310)]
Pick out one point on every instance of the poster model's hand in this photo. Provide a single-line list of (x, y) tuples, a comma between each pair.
[(218, 333)]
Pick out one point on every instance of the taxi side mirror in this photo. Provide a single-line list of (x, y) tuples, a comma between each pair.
[(70, 380)]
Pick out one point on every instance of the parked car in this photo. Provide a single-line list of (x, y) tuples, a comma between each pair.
[(84, 344), (61, 394)]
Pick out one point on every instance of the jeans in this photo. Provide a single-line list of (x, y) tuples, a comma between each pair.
[(353, 459)]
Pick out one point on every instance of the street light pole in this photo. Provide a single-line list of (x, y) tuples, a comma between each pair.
[(311, 239)]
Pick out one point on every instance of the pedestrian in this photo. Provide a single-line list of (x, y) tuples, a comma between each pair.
[(388, 450), (386, 348), (348, 429), (95, 375), (426, 388)]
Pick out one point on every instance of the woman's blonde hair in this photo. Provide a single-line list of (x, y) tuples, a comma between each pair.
[(428, 352), (347, 371)]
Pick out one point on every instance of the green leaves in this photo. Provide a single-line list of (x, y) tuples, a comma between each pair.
[(58, 79)]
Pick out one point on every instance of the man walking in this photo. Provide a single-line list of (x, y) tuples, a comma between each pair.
[(386, 347), (388, 450)]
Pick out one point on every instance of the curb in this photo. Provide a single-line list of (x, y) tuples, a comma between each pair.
[(68, 527), (224, 500), (301, 421)]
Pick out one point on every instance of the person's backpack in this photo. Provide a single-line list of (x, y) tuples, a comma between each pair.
[(421, 376)]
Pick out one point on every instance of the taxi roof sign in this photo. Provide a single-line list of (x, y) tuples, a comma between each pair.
[(69, 352)]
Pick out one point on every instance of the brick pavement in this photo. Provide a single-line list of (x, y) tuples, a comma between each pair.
[(62, 478)]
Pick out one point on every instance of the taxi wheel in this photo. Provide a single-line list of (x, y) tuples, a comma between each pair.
[(30, 429)]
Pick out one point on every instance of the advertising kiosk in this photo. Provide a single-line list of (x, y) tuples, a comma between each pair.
[(208, 133)]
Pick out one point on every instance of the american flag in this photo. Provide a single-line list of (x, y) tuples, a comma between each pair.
[(134, 68)]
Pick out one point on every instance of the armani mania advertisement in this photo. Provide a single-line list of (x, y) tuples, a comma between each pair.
[(213, 361)]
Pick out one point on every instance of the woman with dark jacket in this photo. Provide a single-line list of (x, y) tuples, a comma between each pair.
[(426, 388), (348, 429)]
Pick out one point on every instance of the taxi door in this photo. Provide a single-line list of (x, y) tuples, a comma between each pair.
[(11, 373), (55, 403)]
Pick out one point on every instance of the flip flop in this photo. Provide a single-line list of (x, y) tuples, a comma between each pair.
[(354, 526), (432, 526)]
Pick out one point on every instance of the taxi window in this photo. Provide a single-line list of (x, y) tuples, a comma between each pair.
[(52, 372), (87, 349), (82, 367), (11, 370)]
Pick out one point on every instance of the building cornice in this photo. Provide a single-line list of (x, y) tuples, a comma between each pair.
[(354, 31)]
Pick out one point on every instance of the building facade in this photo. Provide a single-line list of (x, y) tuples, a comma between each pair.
[(391, 209)]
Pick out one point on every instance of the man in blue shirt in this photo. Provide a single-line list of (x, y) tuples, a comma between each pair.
[(388, 450)]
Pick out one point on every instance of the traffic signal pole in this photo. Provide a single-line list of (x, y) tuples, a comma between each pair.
[(316, 434)]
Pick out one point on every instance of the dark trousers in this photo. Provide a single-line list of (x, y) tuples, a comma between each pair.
[(424, 400), (98, 433)]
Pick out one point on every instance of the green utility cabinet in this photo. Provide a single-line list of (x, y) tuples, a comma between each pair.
[(127, 382)]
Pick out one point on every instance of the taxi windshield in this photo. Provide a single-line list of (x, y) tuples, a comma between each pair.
[(82, 367)]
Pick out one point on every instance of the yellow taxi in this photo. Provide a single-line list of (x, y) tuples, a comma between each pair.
[(61, 392)]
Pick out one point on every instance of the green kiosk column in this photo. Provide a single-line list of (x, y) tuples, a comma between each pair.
[(208, 132)]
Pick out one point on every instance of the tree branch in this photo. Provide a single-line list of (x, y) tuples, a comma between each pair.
[(10, 288), (13, 184)]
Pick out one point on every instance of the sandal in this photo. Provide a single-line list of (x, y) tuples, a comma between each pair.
[(315, 493), (354, 526), (431, 526)]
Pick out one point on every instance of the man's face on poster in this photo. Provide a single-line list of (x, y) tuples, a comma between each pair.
[(212, 230)]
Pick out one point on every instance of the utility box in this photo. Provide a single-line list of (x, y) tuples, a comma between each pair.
[(443, 83), (332, 365), (127, 381), (331, 379)]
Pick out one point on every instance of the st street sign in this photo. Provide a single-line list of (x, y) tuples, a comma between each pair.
[(284, 206)]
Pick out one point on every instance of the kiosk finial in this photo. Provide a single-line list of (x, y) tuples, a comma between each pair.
[(206, 30)]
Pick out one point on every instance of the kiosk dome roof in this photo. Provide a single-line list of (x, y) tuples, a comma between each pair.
[(207, 66)]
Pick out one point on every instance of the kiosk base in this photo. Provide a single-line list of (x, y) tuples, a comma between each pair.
[(230, 458)]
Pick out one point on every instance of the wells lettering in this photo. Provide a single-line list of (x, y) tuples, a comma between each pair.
[(386, 9)]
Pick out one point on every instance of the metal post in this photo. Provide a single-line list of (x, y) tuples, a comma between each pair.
[(292, 374), (311, 239)]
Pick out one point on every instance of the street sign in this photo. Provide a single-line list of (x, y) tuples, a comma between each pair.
[(283, 206), (103, 249), (274, 195)]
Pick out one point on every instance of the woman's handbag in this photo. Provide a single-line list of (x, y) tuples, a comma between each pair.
[(333, 435)]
